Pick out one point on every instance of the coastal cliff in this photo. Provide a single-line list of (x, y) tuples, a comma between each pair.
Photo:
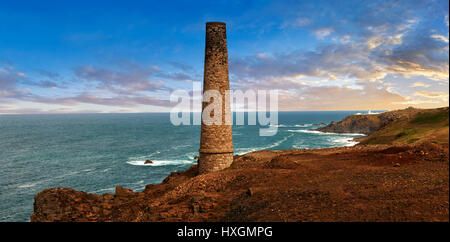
[(398, 127), (426, 125), (367, 182)]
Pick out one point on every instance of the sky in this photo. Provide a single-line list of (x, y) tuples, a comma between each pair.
[(129, 56)]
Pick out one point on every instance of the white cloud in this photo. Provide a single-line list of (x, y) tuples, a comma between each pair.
[(440, 37), (419, 84), (437, 95), (323, 32)]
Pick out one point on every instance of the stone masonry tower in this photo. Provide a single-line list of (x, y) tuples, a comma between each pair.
[(216, 144)]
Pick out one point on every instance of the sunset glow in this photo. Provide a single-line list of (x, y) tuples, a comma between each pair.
[(82, 57)]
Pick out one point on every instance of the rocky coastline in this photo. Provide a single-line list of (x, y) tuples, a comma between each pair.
[(396, 180), (367, 123)]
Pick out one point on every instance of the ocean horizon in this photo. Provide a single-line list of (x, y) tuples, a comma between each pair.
[(97, 152)]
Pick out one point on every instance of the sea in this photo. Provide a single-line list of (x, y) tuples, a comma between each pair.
[(97, 152)]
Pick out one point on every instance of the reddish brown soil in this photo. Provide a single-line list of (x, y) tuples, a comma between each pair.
[(361, 183)]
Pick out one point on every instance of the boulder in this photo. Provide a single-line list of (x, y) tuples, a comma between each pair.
[(123, 192)]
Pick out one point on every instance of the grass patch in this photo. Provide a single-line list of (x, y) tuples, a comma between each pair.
[(407, 132), (380, 140), (424, 126)]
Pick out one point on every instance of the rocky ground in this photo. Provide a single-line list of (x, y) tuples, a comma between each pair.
[(361, 183)]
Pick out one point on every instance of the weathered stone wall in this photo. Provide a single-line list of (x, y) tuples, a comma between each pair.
[(214, 162), (216, 144)]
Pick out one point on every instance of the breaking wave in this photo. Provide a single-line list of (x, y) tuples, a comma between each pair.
[(337, 139), (241, 151), (160, 162), (323, 133), (345, 141), (293, 126)]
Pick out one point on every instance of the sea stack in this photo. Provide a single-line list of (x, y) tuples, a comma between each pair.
[(216, 143)]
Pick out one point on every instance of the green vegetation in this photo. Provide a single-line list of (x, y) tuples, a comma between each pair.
[(431, 118), (407, 132), (426, 125)]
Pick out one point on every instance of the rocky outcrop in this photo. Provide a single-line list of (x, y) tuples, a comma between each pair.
[(427, 125), (66, 204), (367, 123)]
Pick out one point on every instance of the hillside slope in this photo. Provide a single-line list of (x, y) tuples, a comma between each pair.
[(367, 123), (406, 126), (428, 125)]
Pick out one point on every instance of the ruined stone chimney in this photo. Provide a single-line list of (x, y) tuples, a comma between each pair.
[(216, 144)]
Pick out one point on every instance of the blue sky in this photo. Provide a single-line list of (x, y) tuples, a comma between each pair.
[(128, 56)]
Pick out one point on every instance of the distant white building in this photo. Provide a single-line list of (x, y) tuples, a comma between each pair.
[(369, 112)]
